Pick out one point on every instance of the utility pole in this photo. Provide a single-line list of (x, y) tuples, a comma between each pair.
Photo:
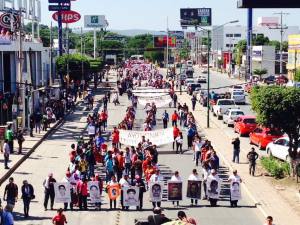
[(167, 61), (21, 58), (281, 28), (95, 42), (81, 49), (67, 49), (51, 56)]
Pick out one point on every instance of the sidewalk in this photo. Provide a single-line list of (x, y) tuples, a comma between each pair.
[(265, 196)]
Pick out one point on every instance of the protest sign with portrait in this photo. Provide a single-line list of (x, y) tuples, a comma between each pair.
[(131, 196), (174, 191), (235, 191), (62, 192), (194, 189), (94, 191), (155, 191), (113, 191), (213, 187)]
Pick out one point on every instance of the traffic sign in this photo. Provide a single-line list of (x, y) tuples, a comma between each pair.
[(59, 1), (59, 7), (5, 20), (67, 16)]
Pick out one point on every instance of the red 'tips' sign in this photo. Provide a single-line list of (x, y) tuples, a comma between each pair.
[(67, 16)]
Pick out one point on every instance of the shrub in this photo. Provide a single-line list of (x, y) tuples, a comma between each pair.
[(275, 167)]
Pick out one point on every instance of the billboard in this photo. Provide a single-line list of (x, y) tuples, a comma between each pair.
[(195, 17), (161, 42), (294, 51), (268, 4), (268, 21), (95, 21)]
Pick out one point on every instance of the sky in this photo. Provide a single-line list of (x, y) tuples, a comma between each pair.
[(153, 14)]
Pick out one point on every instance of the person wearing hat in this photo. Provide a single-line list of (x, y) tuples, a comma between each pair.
[(27, 196), (124, 182), (49, 191), (158, 218), (138, 182)]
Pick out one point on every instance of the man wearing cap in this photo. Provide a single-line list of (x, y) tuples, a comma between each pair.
[(158, 218), (49, 190), (124, 182)]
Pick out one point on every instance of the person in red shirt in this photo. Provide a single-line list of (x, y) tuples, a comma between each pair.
[(115, 136), (60, 218), (103, 118), (82, 190), (176, 132), (174, 118)]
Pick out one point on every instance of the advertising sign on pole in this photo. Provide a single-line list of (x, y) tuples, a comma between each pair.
[(67, 16), (95, 21), (59, 7), (195, 17), (161, 42)]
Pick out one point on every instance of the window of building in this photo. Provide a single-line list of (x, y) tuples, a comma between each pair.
[(237, 35), (229, 35), (229, 45)]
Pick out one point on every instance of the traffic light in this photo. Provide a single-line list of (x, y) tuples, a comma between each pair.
[(268, 4)]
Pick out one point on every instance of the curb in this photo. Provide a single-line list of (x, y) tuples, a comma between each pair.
[(36, 145)]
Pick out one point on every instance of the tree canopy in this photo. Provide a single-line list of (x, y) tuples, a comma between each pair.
[(279, 107)]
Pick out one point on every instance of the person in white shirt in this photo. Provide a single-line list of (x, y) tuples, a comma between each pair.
[(235, 183), (177, 178), (269, 221), (205, 174), (197, 146), (179, 142), (156, 178), (6, 152), (213, 182), (194, 177), (124, 182)]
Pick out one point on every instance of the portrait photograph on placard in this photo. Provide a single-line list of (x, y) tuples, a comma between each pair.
[(235, 191), (194, 189), (62, 192), (131, 196), (114, 191), (94, 191), (155, 192), (174, 191), (213, 188)]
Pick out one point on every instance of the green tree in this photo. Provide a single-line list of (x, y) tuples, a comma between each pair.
[(260, 72), (75, 66), (138, 44), (260, 39), (239, 50), (297, 75), (279, 107)]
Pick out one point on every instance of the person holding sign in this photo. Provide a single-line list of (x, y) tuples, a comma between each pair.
[(235, 188), (213, 187), (155, 179), (194, 187), (113, 190), (176, 178)]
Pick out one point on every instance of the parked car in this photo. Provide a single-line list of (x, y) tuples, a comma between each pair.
[(244, 125), (280, 148), (269, 80), (189, 63), (222, 106), (239, 96), (262, 136), (231, 115), (201, 79), (192, 87), (236, 88)]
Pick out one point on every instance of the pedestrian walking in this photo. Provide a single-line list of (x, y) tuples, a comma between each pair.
[(177, 178), (205, 174), (235, 193), (175, 117), (190, 135), (37, 122), (31, 124), (11, 192), (9, 136), (236, 150), (60, 218), (175, 98), (27, 196), (165, 118), (179, 143), (7, 217), (176, 132), (82, 191), (20, 139), (49, 191), (194, 101), (197, 146), (252, 156), (6, 153), (269, 220), (155, 178), (105, 101)]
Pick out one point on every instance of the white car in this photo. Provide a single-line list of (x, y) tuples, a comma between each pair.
[(231, 115), (279, 148), (236, 88), (201, 79), (239, 96), (189, 63)]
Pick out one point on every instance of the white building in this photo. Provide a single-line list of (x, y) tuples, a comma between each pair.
[(226, 38), (263, 57)]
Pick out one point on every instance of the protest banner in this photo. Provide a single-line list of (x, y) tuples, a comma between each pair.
[(131, 196), (113, 191), (194, 189), (155, 191), (159, 101), (174, 190), (62, 192), (213, 187), (94, 191), (235, 191), (157, 137)]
